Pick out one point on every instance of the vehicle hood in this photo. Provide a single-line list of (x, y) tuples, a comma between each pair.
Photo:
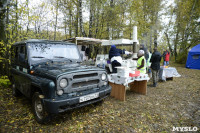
[(53, 70)]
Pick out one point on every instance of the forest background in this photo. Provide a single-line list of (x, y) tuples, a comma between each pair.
[(172, 25)]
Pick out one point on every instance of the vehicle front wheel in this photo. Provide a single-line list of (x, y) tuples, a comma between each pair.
[(40, 113)]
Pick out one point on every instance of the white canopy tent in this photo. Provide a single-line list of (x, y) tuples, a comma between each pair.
[(84, 42), (117, 42)]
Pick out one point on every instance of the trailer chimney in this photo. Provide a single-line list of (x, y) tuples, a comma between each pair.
[(134, 41)]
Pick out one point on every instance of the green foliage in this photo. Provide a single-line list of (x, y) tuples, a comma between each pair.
[(182, 57), (110, 18), (186, 28), (4, 81)]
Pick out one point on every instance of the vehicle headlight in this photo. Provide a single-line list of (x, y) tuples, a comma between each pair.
[(63, 83), (60, 92), (103, 76)]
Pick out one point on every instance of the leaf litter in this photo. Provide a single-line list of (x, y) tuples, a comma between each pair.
[(171, 104)]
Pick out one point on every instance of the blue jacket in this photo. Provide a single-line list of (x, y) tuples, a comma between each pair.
[(115, 52)]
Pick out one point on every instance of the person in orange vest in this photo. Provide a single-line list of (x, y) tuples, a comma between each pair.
[(141, 62)]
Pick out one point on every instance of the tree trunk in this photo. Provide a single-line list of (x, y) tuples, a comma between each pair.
[(97, 23), (150, 41), (155, 38), (47, 29), (82, 31), (4, 64), (2, 34), (16, 21), (168, 43), (91, 21), (76, 21), (70, 20), (65, 24), (186, 32), (102, 26), (27, 27), (36, 27), (109, 29), (175, 44), (3, 5), (55, 27), (7, 22)]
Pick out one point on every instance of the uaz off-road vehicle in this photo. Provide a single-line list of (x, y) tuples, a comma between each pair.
[(51, 74)]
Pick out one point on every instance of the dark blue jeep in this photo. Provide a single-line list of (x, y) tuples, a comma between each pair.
[(51, 74)]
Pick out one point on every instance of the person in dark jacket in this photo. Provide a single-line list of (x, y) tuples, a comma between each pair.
[(115, 57), (155, 65), (146, 53)]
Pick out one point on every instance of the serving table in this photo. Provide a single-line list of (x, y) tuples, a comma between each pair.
[(137, 84)]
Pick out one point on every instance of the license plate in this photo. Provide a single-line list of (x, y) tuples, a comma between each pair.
[(88, 97)]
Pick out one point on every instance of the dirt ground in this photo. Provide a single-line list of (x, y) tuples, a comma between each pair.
[(171, 104)]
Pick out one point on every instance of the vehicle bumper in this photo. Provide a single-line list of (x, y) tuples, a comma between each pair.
[(58, 106)]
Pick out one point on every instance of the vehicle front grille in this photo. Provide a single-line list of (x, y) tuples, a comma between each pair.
[(85, 75), (85, 83), (81, 81)]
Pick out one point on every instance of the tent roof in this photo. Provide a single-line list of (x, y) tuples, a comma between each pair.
[(84, 40), (117, 42), (195, 48)]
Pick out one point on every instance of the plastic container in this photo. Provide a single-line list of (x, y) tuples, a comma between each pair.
[(137, 73)]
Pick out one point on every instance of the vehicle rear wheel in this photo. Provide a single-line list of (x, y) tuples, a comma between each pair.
[(15, 91), (40, 113)]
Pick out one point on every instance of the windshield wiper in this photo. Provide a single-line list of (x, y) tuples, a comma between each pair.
[(37, 57), (62, 58), (42, 57), (59, 57)]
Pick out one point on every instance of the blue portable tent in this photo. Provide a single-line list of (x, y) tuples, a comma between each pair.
[(193, 59)]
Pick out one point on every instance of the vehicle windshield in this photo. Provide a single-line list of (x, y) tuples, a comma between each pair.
[(40, 51)]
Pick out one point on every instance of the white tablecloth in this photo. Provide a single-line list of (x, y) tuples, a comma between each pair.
[(168, 73), (114, 78)]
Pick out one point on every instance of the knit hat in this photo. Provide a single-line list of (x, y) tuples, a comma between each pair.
[(140, 52), (113, 46)]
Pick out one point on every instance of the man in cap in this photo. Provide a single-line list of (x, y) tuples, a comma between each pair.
[(155, 66)]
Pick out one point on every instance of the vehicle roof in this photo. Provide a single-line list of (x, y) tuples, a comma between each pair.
[(41, 41)]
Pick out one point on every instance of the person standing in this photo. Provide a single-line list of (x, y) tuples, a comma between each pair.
[(141, 63), (167, 55), (115, 57), (149, 65), (146, 53), (155, 66), (163, 55)]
